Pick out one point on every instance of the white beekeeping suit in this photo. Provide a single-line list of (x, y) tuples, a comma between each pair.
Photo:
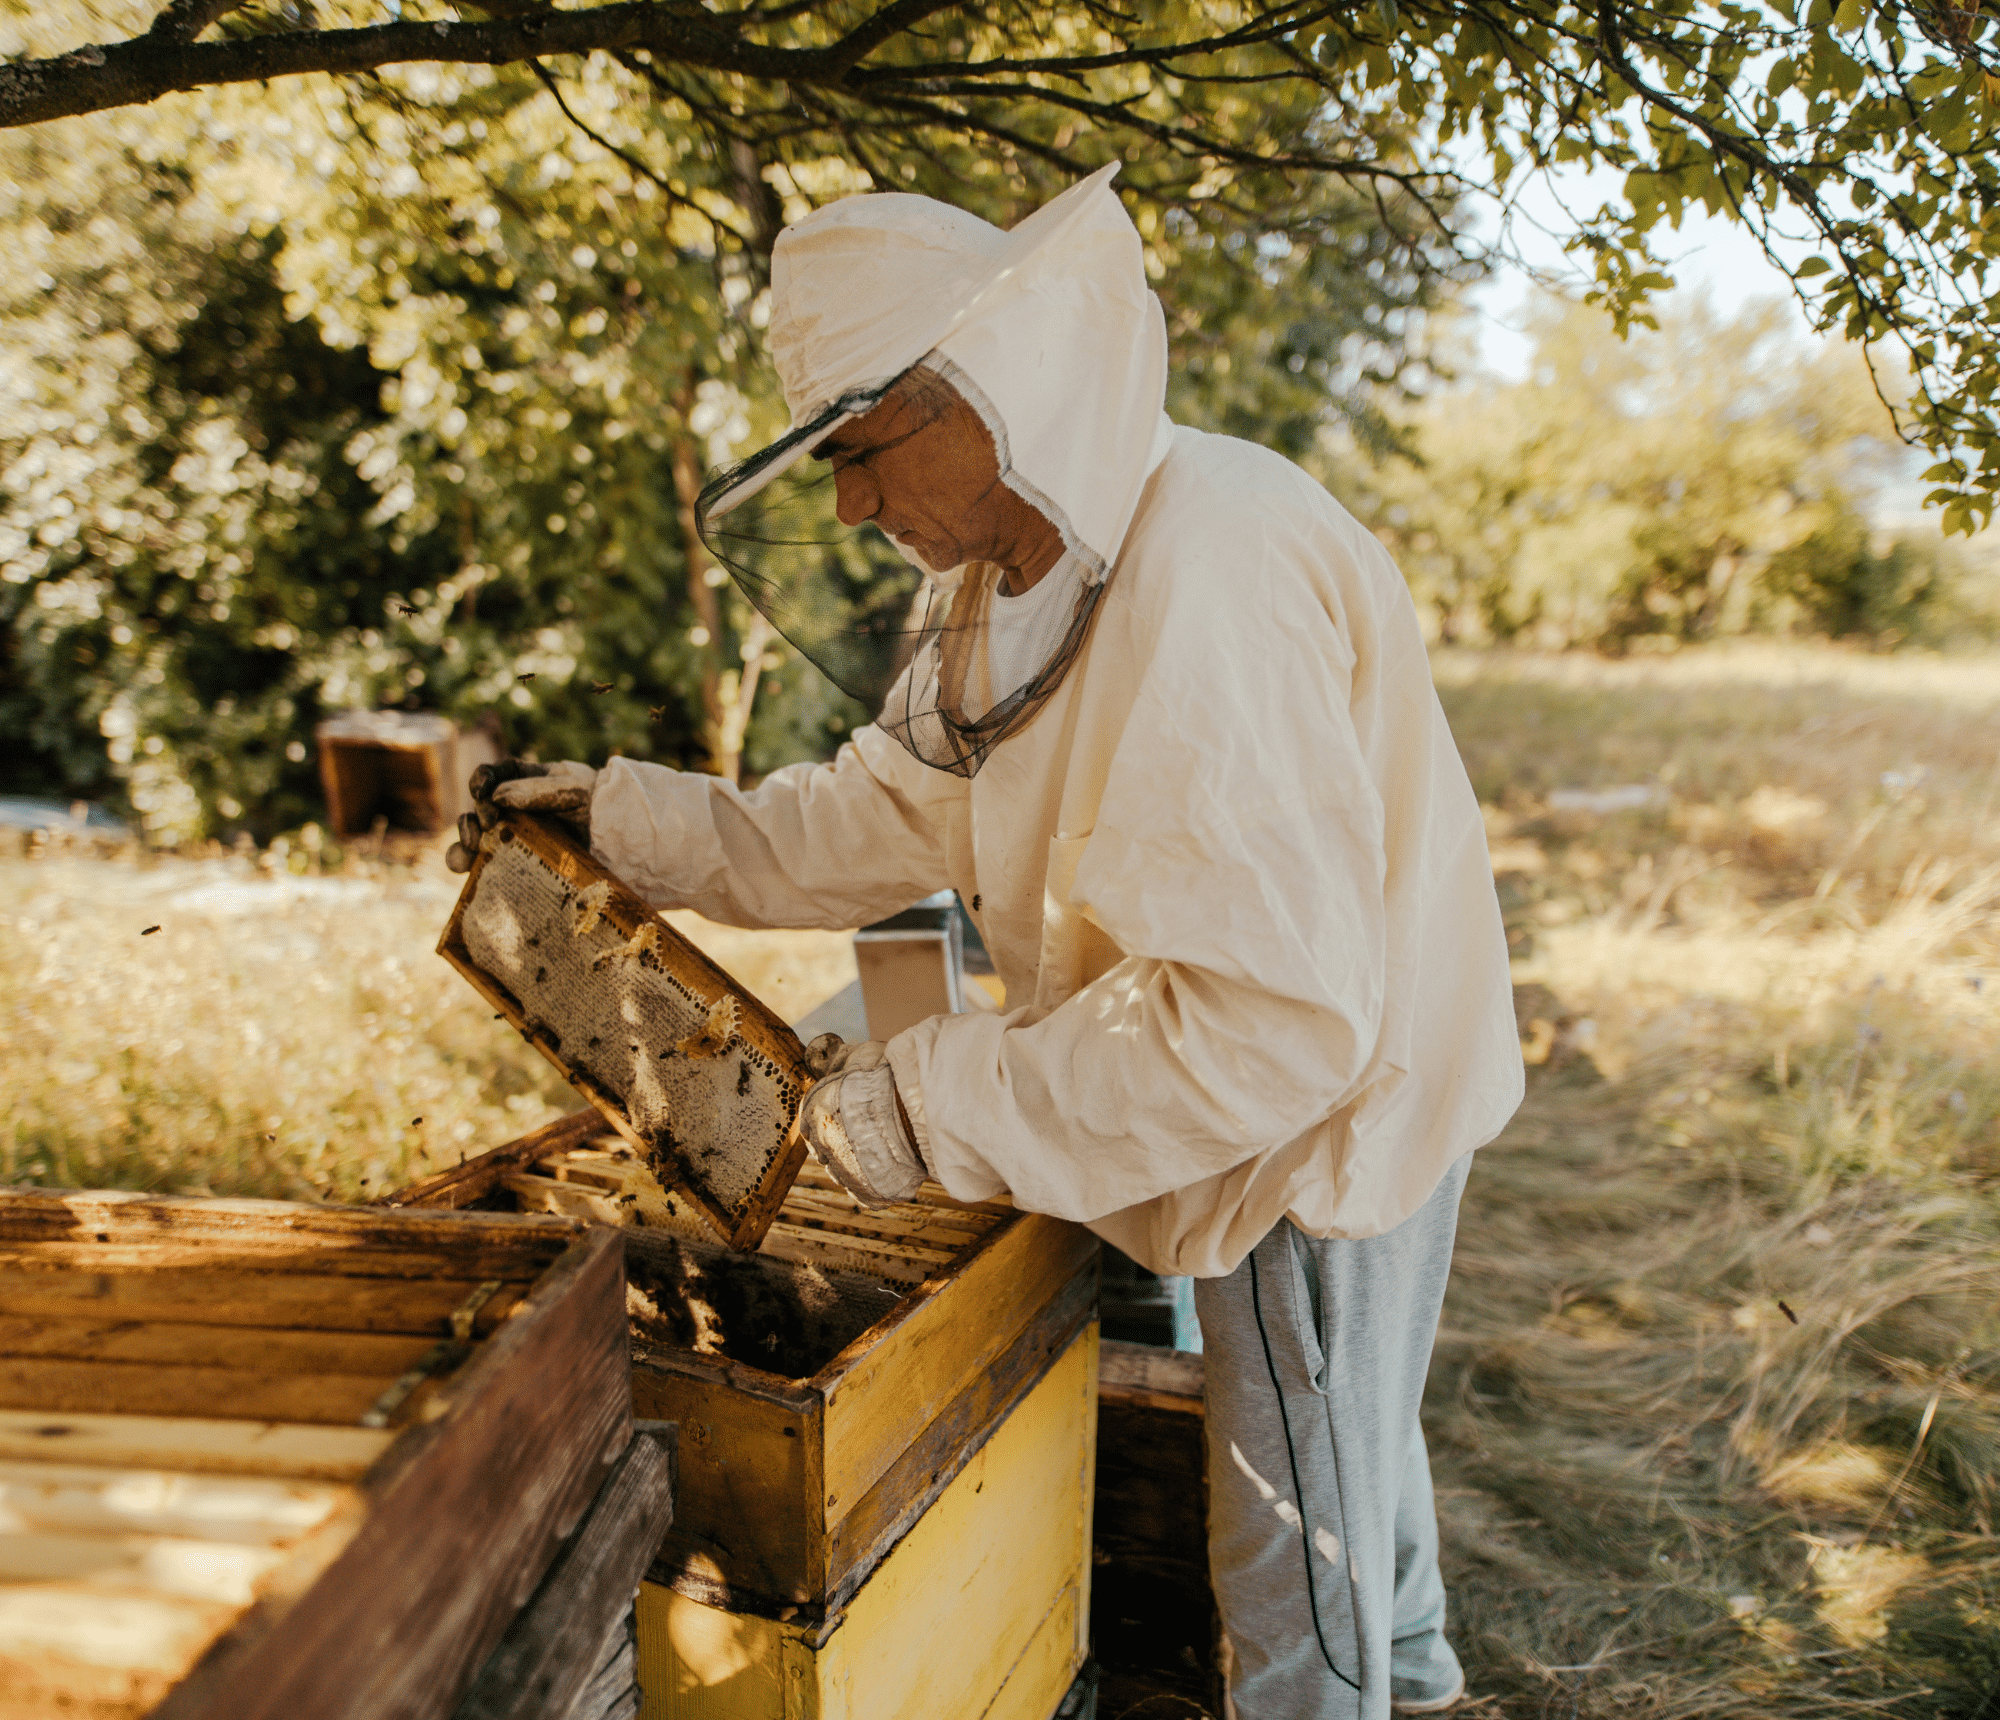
[(1223, 852)]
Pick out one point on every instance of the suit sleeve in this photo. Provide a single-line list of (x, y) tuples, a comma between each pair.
[(828, 846)]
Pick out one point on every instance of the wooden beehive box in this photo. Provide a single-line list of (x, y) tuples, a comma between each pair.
[(836, 1391), (694, 1071), (406, 769), (263, 1459)]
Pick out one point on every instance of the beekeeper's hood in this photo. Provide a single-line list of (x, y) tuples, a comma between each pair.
[(1052, 335)]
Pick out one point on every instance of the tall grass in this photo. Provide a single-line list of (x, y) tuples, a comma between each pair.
[(1717, 1400)]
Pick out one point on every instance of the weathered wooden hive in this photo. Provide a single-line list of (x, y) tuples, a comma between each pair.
[(887, 1416), (262, 1459)]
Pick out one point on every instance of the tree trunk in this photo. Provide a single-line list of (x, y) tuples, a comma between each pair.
[(726, 694)]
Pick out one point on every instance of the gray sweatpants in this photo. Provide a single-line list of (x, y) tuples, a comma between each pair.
[(1322, 1534)]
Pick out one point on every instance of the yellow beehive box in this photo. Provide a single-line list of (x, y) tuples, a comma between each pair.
[(834, 1389), (981, 1609)]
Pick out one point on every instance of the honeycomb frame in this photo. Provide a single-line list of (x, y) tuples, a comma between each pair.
[(708, 1093)]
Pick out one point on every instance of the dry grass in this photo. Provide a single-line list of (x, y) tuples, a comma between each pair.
[(1765, 1013), (282, 1035), (1767, 1010)]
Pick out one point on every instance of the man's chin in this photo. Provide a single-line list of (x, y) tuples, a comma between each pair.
[(922, 556)]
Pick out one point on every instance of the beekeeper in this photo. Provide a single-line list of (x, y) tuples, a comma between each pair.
[(1159, 711)]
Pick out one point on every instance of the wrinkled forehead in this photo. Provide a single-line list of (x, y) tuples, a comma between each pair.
[(915, 401)]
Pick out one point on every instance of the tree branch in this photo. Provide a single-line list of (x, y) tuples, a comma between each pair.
[(119, 74)]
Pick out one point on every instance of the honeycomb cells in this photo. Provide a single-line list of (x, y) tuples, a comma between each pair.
[(621, 1023)]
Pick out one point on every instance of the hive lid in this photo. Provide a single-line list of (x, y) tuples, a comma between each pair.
[(685, 1063)]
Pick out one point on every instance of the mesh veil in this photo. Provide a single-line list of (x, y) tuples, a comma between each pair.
[(949, 661)]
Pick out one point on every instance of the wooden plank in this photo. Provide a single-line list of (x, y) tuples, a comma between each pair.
[(206, 1445), (553, 1647), (91, 1564), (899, 1265), (463, 1513), (476, 1179), (1134, 1372), (110, 1215), (745, 1509), (1048, 1664), (613, 1690), (302, 1301), (885, 1388), (103, 1655), (133, 1388), (73, 1647), (858, 1541), (264, 1349), (78, 1499), (984, 1567), (904, 1219), (698, 1662), (228, 1255), (742, 1219)]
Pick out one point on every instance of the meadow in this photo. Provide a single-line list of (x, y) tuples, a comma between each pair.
[(1716, 1406)]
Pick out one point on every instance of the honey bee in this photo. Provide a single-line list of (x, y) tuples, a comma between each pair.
[(590, 907), (647, 937), (724, 1016)]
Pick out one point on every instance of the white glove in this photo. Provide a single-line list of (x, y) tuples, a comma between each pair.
[(560, 791), (854, 1123)]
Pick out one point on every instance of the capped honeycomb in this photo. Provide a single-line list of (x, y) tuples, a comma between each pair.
[(691, 1069)]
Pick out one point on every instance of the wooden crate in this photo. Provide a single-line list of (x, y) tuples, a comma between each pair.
[(701, 1078), (903, 1337), (571, 1652), (981, 1609), (262, 1459), (1154, 1626), (407, 769)]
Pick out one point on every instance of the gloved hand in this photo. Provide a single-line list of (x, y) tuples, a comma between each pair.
[(856, 1125), (559, 791)]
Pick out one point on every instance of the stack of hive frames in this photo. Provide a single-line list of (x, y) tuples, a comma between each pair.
[(797, 1489), (696, 1073), (240, 1438)]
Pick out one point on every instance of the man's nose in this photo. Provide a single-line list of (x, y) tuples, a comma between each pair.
[(857, 497)]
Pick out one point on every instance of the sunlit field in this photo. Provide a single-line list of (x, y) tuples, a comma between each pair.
[(1717, 1403), (282, 1034), (1716, 1412)]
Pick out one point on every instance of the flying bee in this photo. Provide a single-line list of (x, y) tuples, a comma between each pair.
[(656, 712), (402, 608), (149, 931), (600, 687), (525, 679)]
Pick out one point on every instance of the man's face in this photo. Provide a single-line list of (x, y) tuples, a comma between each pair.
[(920, 466)]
